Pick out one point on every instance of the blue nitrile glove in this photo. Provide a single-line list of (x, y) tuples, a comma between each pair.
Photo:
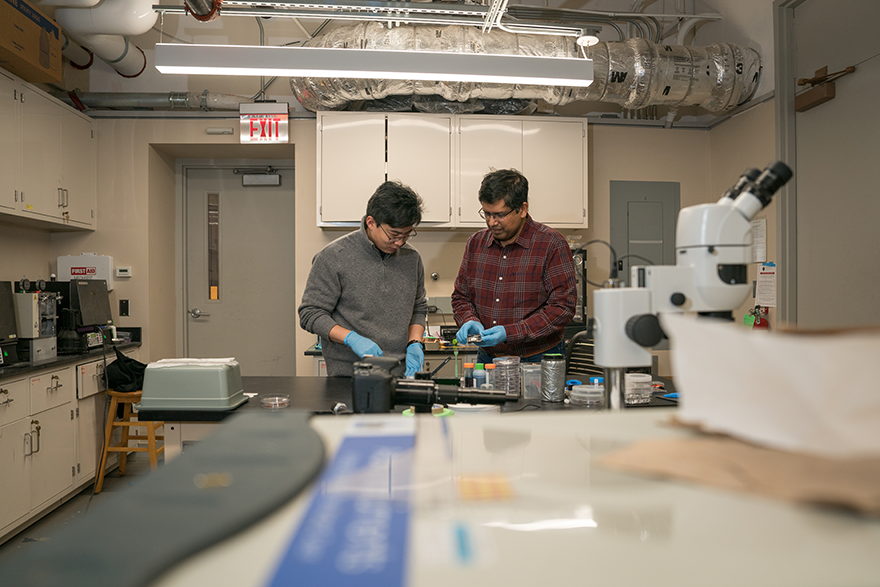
[(415, 357), (361, 346), (470, 327), (493, 336)]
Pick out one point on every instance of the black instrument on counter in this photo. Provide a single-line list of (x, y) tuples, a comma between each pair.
[(84, 308), (8, 333), (376, 391)]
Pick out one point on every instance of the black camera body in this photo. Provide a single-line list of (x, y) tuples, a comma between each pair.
[(373, 385), (376, 391)]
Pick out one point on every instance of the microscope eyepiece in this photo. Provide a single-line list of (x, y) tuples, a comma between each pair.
[(774, 177)]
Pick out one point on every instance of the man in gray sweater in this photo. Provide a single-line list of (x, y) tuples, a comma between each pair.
[(366, 291)]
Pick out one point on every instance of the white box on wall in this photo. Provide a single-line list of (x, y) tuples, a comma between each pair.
[(86, 266)]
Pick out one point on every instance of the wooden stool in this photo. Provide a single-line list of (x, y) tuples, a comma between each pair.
[(126, 399)]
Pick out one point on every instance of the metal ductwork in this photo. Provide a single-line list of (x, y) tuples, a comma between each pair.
[(205, 101), (104, 26), (634, 74)]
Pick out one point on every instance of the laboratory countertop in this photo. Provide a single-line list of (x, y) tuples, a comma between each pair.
[(474, 500), (26, 368), (318, 395), (314, 351)]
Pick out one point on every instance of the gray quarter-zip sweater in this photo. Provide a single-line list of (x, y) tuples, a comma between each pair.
[(350, 284)]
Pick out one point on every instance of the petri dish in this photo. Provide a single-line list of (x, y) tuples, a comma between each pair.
[(275, 401)]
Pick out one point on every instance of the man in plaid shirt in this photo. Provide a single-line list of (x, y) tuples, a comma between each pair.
[(516, 284)]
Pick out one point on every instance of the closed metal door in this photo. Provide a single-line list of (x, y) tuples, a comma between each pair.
[(240, 284)]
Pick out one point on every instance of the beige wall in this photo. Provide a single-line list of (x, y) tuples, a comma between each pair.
[(138, 190), (25, 252), (749, 140)]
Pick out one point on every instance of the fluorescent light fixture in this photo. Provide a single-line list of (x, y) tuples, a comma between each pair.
[(372, 64)]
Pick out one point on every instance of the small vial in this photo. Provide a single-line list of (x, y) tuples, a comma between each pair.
[(468, 375), (479, 375), (490, 376)]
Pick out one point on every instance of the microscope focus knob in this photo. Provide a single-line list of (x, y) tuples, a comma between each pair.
[(677, 299), (644, 329)]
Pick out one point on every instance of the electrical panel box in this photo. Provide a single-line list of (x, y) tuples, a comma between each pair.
[(86, 266)]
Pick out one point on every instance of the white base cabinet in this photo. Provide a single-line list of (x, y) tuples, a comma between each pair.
[(51, 437), (36, 450)]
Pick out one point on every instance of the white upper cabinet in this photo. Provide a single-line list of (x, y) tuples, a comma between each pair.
[(444, 158), (47, 159), (359, 151), (41, 193), (420, 156), (9, 141), (78, 173), (554, 161), (485, 144), (351, 164)]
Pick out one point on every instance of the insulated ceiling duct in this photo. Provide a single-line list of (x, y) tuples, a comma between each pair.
[(633, 73), (104, 27)]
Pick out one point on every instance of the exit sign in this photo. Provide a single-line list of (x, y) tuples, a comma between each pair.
[(264, 122)]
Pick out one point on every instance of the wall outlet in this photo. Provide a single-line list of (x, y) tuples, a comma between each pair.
[(123, 308)]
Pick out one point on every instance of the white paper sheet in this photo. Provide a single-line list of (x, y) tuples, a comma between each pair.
[(765, 294), (759, 240), (816, 394)]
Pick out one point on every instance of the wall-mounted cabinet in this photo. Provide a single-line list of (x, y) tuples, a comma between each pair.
[(357, 151), (48, 164)]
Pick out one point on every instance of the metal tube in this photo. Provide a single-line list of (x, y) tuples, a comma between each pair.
[(615, 390)]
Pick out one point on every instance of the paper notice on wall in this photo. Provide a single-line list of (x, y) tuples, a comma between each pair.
[(765, 292), (759, 240)]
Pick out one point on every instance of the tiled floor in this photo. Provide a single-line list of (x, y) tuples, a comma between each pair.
[(79, 505)]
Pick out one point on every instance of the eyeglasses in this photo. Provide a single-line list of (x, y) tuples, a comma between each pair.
[(496, 215), (400, 238)]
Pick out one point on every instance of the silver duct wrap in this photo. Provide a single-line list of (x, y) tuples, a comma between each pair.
[(635, 73)]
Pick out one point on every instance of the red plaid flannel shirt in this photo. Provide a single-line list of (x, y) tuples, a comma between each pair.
[(528, 287)]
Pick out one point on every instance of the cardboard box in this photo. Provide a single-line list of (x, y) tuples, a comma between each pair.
[(30, 43)]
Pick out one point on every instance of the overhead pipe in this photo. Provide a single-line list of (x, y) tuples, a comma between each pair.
[(151, 100), (203, 10), (79, 58), (635, 73), (104, 27)]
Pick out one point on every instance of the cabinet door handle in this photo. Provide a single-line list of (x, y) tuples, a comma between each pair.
[(9, 400), (28, 445), (37, 432), (66, 198), (60, 198)]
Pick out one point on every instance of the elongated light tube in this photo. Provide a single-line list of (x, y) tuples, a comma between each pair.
[(372, 64)]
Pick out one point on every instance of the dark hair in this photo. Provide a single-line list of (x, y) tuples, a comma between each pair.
[(509, 184), (395, 205)]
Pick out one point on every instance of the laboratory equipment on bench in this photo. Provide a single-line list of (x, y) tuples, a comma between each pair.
[(194, 384), (8, 327), (84, 308), (375, 390), (35, 321), (713, 246)]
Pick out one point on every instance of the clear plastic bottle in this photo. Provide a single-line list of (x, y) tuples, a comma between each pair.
[(490, 376), (479, 375), (468, 375)]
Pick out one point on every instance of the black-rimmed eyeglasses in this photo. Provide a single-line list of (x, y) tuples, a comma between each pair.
[(399, 238), (496, 215)]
